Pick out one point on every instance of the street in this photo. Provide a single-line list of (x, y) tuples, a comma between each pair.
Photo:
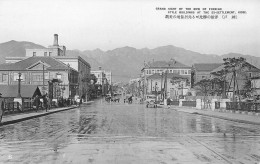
[(128, 133)]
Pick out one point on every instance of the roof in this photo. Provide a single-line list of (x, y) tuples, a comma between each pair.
[(27, 91), (166, 64), (251, 68), (206, 66), (169, 76), (24, 64), (73, 57)]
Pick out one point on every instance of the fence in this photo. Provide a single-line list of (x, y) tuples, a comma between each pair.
[(189, 103), (243, 106), (175, 103)]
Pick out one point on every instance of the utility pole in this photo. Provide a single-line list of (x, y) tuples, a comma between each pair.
[(151, 86), (161, 86), (43, 79), (165, 84)]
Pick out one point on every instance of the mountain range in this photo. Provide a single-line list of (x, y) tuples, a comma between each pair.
[(127, 62)]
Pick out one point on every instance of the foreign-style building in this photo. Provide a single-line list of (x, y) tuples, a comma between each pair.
[(172, 74), (248, 72), (58, 53), (203, 70), (40, 70)]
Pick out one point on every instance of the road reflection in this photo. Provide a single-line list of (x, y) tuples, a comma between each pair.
[(52, 133)]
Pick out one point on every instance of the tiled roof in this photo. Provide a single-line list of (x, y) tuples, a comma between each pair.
[(169, 76), (206, 66), (166, 64), (27, 91), (24, 64), (252, 68)]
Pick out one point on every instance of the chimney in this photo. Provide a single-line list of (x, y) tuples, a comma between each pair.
[(55, 42)]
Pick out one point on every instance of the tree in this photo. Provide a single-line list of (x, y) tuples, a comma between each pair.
[(232, 68), (204, 86)]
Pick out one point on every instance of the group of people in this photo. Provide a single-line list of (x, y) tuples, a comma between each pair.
[(45, 104)]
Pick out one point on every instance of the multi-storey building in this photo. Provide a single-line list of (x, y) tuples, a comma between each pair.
[(203, 70), (154, 75), (59, 53), (40, 71), (104, 78)]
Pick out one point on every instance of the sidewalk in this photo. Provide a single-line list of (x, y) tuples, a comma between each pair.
[(242, 118), (10, 119)]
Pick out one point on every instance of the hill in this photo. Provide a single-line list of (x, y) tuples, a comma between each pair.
[(127, 62)]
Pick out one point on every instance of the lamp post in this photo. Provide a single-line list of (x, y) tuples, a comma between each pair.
[(19, 85)]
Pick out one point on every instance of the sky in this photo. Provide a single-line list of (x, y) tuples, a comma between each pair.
[(110, 24)]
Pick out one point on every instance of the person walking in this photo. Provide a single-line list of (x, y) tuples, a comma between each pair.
[(45, 102), (168, 102)]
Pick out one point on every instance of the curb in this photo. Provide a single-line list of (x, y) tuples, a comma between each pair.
[(229, 119), (221, 117), (34, 116)]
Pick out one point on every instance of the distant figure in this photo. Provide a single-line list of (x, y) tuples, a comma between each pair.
[(2, 111), (45, 102), (168, 102), (130, 100)]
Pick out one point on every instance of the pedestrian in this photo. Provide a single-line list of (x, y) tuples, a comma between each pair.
[(49, 102), (45, 102), (168, 102), (2, 110)]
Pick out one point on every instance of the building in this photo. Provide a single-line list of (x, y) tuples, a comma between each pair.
[(155, 71), (59, 53), (203, 70), (176, 85), (108, 77), (53, 50), (100, 75), (104, 78), (40, 71), (242, 75)]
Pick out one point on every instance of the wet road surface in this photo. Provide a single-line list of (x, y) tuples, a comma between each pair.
[(128, 133)]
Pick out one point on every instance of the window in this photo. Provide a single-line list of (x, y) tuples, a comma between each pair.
[(185, 72), (171, 71), (147, 72), (250, 74), (153, 71), (45, 53), (49, 53), (59, 76), (34, 53), (182, 72), (16, 77), (150, 72), (4, 78), (39, 76), (203, 77), (175, 71), (189, 72)]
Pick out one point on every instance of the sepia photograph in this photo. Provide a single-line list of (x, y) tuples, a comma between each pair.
[(130, 82)]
